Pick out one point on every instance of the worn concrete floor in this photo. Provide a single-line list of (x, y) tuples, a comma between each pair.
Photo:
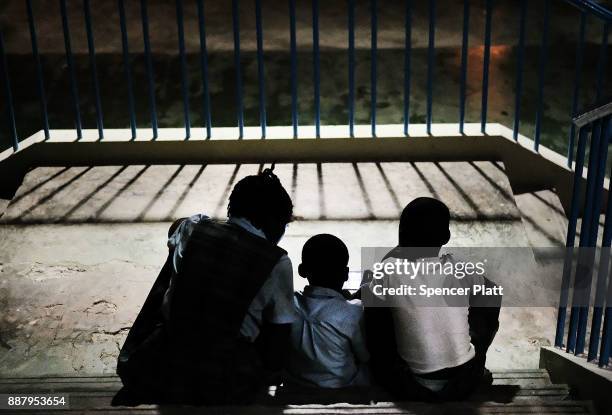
[(80, 247)]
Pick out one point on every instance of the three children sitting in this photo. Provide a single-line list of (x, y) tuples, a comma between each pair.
[(221, 321)]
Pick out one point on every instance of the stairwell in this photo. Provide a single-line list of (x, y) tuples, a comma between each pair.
[(81, 246)]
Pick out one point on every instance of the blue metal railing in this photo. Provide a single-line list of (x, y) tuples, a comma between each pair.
[(588, 9), (149, 65), (316, 67), (127, 67), (407, 63), (485, 66), (71, 71), (594, 127), (39, 74), (595, 134)]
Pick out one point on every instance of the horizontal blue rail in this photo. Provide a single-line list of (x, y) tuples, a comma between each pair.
[(592, 8)]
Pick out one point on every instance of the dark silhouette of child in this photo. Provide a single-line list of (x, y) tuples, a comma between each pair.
[(429, 353), (327, 340), (215, 326)]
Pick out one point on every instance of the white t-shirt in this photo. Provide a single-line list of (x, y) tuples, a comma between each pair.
[(431, 335)]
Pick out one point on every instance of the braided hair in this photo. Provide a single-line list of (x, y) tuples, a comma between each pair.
[(259, 198)]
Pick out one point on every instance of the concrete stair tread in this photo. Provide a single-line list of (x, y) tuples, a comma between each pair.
[(557, 408), (510, 394), (528, 379)]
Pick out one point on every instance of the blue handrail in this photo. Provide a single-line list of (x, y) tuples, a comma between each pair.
[(94, 68), (407, 63), (351, 67), (39, 74), (149, 65), (71, 71), (204, 69), (260, 69), (237, 63), (183, 60), (127, 67), (592, 8), (430, 62), (293, 64)]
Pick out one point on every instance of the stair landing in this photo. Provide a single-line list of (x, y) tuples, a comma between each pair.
[(80, 247)]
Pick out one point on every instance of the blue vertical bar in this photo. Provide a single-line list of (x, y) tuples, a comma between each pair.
[(485, 67), (600, 296), (576, 94), (9, 94), (430, 62), (520, 62), (571, 236), (149, 62), (606, 336), (204, 68), (236, 29), (594, 226), (602, 274), (317, 66), (541, 71), (69, 61), (127, 67), (351, 67), (585, 238), (464, 62), (94, 69), (407, 63), (39, 74), (373, 62), (601, 65), (293, 58), (184, 80), (261, 75)]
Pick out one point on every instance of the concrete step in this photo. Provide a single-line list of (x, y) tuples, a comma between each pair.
[(526, 379), (386, 408), (513, 391)]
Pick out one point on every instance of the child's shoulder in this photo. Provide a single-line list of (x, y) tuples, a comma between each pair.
[(353, 307)]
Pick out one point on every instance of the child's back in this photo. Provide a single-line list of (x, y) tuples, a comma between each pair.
[(327, 341)]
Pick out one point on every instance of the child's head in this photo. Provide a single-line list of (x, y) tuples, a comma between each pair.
[(424, 223), (262, 200), (325, 261)]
